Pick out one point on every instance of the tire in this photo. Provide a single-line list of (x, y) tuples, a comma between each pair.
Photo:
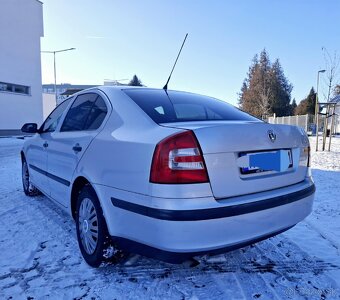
[(29, 188), (93, 237)]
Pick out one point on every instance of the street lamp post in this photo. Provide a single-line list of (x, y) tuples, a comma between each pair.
[(55, 69), (317, 108)]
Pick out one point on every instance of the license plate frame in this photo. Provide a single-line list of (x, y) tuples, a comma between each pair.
[(256, 170)]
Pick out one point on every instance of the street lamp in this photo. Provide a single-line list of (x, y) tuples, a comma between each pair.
[(55, 71), (317, 108)]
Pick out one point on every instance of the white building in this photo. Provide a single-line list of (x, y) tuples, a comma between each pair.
[(21, 27)]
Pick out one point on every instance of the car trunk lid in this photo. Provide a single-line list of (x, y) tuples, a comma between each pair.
[(232, 151)]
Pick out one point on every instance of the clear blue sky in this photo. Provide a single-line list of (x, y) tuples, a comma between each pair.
[(117, 39)]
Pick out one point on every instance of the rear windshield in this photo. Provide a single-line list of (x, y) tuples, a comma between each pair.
[(173, 106)]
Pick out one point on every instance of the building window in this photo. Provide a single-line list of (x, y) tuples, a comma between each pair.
[(14, 88)]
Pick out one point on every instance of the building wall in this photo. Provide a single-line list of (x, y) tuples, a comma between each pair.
[(21, 26), (49, 104)]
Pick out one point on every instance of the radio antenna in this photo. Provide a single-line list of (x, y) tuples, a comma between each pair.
[(166, 85)]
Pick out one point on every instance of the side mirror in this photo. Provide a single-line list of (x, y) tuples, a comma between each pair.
[(30, 128)]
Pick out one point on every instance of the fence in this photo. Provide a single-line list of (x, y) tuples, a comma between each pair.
[(306, 122), (303, 121)]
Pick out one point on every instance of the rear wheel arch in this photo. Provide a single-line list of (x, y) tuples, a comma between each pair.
[(77, 186), (22, 155)]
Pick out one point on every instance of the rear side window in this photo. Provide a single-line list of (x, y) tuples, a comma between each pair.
[(86, 113), (97, 115), (173, 106), (77, 115)]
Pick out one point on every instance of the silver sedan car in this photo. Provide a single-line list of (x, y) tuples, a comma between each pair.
[(167, 174)]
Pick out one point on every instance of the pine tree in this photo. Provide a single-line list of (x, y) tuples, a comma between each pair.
[(311, 99), (243, 92), (266, 90), (307, 105), (135, 81), (252, 97), (281, 91), (264, 82), (293, 107)]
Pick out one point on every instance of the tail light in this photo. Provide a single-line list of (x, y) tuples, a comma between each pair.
[(178, 159), (305, 157), (308, 161)]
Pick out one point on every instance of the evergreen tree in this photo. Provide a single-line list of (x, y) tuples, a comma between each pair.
[(243, 92), (263, 79), (266, 90), (311, 99), (135, 81), (293, 107), (307, 105), (282, 89)]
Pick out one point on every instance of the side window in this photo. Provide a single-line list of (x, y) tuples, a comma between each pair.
[(77, 115), (52, 120), (97, 115)]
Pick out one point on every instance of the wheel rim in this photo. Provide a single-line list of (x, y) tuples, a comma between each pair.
[(25, 176), (88, 225)]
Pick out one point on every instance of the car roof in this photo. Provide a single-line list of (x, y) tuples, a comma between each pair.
[(108, 88), (124, 87), (112, 88)]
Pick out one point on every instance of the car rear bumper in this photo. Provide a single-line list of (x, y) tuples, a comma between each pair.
[(179, 257), (213, 213), (176, 234)]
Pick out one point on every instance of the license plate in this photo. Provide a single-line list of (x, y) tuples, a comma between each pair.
[(258, 162)]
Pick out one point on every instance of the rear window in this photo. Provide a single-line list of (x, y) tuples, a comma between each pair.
[(173, 106)]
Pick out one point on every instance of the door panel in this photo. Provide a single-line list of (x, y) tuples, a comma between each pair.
[(62, 161), (36, 157)]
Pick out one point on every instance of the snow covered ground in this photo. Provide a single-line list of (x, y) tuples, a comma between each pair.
[(39, 256)]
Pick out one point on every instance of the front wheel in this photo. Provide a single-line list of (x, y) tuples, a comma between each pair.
[(29, 188), (93, 237)]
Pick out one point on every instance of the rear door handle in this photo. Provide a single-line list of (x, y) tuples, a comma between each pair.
[(77, 148)]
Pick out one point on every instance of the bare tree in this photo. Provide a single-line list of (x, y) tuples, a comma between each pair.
[(332, 63)]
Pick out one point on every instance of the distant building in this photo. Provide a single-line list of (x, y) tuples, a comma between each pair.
[(62, 88), (65, 90), (21, 27)]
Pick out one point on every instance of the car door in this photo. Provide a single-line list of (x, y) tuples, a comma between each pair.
[(68, 144), (36, 152)]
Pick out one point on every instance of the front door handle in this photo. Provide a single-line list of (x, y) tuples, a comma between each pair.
[(77, 148), (45, 145)]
